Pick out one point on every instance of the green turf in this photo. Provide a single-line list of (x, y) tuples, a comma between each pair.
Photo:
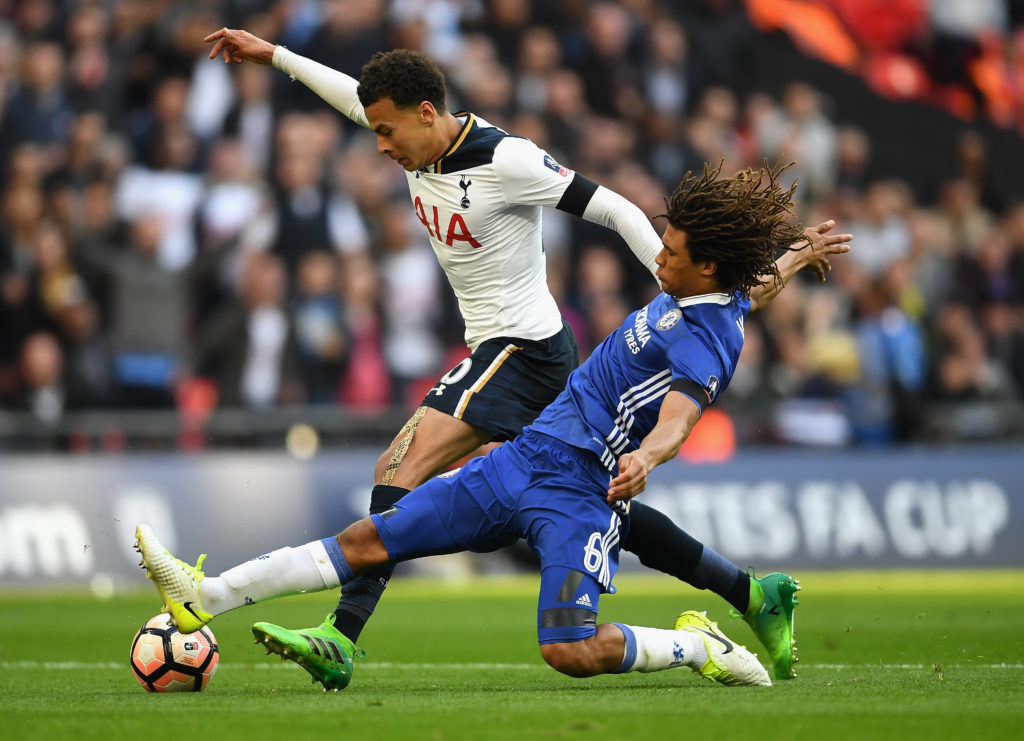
[(933, 654)]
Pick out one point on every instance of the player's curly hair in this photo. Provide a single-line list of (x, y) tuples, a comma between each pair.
[(739, 222), (407, 77)]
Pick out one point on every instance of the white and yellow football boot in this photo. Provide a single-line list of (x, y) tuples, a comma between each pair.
[(177, 581)]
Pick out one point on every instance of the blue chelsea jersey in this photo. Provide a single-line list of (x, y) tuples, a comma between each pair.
[(611, 401)]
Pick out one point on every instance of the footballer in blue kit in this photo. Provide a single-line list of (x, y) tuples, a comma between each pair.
[(688, 345), (562, 484), (549, 485)]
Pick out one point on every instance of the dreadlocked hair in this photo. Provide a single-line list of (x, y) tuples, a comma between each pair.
[(407, 77), (739, 223)]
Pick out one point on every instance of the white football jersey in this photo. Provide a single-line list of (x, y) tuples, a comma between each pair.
[(480, 204)]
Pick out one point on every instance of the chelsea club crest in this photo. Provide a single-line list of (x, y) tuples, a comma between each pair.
[(669, 319)]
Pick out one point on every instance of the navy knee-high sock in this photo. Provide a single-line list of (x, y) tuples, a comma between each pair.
[(660, 544), (360, 596)]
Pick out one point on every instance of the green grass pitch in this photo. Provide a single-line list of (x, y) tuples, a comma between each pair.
[(886, 655)]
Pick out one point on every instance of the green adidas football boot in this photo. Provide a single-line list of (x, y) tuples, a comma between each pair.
[(323, 651), (770, 615)]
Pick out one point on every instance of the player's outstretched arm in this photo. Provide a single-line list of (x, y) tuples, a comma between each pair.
[(609, 209), (238, 46), (679, 413), (529, 176), (336, 88), (812, 253)]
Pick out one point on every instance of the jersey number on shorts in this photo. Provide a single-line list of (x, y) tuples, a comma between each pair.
[(596, 556), (453, 376)]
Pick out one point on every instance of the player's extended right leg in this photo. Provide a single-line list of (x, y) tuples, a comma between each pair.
[(728, 662), (323, 651), (177, 581), (770, 615)]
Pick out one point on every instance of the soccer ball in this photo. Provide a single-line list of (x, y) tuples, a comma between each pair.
[(164, 660)]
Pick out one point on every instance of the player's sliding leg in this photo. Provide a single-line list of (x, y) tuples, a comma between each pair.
[(177, 581), (572, 644), (194, 599), (727, 662), (569, 525), (765, 604), (577, 538)]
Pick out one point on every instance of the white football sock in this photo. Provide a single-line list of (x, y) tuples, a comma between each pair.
[(282, 572), (654, 649)]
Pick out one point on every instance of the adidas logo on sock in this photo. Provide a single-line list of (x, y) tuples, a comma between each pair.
[(584, 600)]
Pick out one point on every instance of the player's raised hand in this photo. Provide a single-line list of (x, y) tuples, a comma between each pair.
[(238, 46), (822, 244)]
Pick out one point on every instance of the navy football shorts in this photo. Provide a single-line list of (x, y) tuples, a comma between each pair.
[(506, 383), (536, 488)]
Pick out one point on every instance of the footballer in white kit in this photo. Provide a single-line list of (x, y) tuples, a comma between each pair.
[(481, 206)]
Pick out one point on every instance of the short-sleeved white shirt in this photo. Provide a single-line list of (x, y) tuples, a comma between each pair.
[(480, 205)]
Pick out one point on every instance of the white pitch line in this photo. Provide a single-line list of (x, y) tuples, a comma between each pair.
[(913, 666), (84, 665)]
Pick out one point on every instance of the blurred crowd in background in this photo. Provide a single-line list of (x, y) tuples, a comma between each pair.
[(177, 233)]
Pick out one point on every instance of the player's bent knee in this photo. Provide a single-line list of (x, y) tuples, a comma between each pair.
[(362, 546), (572, 659)]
